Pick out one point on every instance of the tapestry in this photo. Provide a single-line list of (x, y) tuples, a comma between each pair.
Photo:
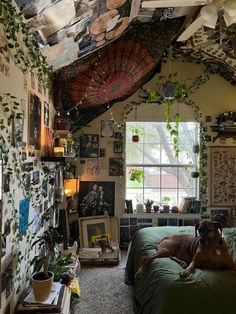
[(114, 72)]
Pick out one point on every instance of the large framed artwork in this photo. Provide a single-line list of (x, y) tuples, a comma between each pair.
[(34, 121), (223, 173), (96, 198)]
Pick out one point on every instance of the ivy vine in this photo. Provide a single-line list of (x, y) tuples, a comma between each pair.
[(24, 49)]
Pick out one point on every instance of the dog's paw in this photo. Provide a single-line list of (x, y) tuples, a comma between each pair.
[(183, 264), (185, 274)]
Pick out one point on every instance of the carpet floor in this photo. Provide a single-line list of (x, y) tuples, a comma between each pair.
[(103, 290)]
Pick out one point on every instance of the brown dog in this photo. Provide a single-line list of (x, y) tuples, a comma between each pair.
[(206, 251)]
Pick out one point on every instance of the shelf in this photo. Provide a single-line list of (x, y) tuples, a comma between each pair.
[(53, 159)]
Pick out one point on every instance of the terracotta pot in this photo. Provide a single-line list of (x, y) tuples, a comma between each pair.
[(148, 209), (41, 287), (156, 208), (135, 138)]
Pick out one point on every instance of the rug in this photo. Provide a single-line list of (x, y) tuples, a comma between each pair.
[(103, 290)]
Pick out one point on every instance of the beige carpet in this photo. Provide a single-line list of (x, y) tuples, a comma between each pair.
[(103, 290)]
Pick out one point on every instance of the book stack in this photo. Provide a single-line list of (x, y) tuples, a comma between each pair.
[(58, 301)]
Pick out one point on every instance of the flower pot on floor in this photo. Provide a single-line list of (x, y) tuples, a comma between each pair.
[(42, 285)]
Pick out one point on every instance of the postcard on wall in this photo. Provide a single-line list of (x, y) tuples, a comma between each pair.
[(23, 216), (46, 114), (34, 121), (93, 167), (37, 221)]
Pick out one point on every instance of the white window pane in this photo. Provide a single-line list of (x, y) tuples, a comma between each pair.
[(152, 177)]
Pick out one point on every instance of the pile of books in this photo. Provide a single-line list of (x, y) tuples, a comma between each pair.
[(58, 301)]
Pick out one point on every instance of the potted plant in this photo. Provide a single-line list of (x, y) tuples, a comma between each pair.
[(165, 203), (136, 175), (148, 203), (42, 279)]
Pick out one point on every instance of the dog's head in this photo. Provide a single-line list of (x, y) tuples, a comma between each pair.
[(208, 231)]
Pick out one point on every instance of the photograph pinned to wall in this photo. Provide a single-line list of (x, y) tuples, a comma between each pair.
[(92, 226), (118, 135), (89, 146), (36, 177), (6, 182), (46, 114), (19, 125), (107, 128), (93, 167), (223, 169), (117, 147), (116, 167), (45, 187), (26, 180), (4, 54), (7, 227), (31, 151), (37, 221), (96, 198), (28, 166), (32, 80), (34, 121), (102, 152), (23, 216), (45, 205), (4, 244)]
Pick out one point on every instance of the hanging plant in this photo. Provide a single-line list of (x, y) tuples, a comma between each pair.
[(171, 91), (22, 45)]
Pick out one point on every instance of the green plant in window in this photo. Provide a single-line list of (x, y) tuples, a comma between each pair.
[(136, 175)]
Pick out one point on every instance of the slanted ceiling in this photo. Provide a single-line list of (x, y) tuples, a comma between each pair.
[(103, 51)]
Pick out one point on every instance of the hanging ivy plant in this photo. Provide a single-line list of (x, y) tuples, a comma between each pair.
[(22, 45), (172, 91)]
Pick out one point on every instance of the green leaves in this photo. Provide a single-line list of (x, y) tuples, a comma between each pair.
[(25, 53)]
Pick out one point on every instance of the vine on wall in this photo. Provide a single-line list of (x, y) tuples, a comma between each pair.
[(24, 49), (11, 139)]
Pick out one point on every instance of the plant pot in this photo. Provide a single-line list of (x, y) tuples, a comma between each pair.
[(41, 285), (195, 174), (166, 208), (156, 208), (135, 138), (174, 209), (148, 209)]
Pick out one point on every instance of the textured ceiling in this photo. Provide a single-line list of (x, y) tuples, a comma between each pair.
[(103, 51)]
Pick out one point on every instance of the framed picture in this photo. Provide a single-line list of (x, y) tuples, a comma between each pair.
[(89, 146), (46, 114), (118, 135), (107, 128), (223, 169), (93, 167), (96, 198), (116, 167), (117, 147), (34, 121), (92, 226)]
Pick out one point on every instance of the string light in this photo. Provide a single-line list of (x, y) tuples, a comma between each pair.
[(67, 112)]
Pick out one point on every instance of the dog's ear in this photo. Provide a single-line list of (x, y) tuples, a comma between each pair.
[(196, 229), (218, 226)]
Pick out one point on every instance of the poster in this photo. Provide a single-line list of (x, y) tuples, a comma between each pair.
[(34, 121), (23, 216)]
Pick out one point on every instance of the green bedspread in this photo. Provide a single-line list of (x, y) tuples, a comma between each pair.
[(162, 291)]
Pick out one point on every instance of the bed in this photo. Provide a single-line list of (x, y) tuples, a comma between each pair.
[(161, 291)]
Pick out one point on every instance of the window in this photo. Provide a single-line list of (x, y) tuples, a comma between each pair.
[(154, 157)]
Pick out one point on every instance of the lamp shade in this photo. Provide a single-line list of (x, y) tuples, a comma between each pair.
[(71, 186)]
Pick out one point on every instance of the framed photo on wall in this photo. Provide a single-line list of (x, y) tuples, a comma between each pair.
[(91, 227), (96, 198), (223, 170), (89, 146), (34, 128)]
